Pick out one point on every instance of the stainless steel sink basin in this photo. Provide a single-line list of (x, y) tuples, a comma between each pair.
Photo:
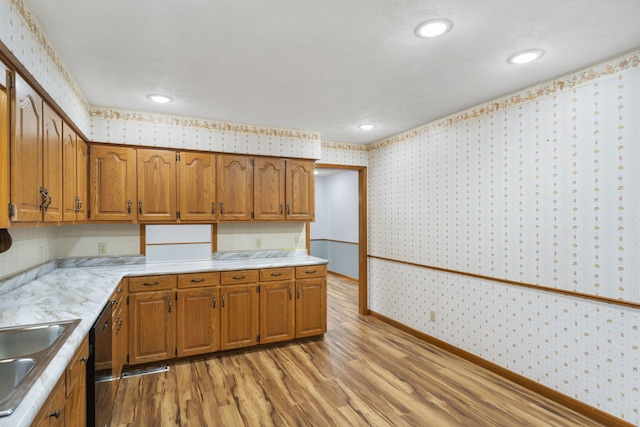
[(25, 351)]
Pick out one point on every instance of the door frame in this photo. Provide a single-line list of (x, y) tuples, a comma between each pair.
[(363, 303)]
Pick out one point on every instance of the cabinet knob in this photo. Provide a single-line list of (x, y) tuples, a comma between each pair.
[(84, 359), (55, 414)]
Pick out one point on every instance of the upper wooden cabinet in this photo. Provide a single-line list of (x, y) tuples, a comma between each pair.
[(235, 187), (75, 161), (300, 190), (5, 119), (112, 172), (197, 186), (157, 185), (269, 189), (36, 189)]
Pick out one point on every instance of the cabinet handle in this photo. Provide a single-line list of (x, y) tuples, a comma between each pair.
[(114, 302), (298, 292), (290, 294), (197, 280), (213, 208), (140, 206), (281, 208), (311, 271), (44, 198), (238, 277), (49, 199), (84, 359), (55, 414), (288, 208), (150, 283), (77, 200), (276, 274), (221, 208), (170, 302), (222, 302), (129, 204), (214, 301), (120, 290)]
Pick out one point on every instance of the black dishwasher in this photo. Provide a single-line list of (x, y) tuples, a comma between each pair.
[(99, 369)]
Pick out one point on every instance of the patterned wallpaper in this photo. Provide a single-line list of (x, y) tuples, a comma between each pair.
[(542, 190), (337, 153), (128, 127)]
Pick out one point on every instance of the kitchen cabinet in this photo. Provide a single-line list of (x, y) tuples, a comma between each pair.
[(198, 313), (119, 334), (76, 388), (52, 413), (156, 185), (277, 305), (112, 172), (6, 77), (269, 189), (235, 187), (36, 158), (152, 319), (75, 158), (311, 301), (197, 186), (300, 191), (239, 315)]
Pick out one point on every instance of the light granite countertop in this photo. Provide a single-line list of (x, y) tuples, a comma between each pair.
[(73, 291)]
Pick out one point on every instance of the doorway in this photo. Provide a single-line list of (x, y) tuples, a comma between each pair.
[(347, 252)]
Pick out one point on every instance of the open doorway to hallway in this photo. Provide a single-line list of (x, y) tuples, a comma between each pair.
[(339, 233)]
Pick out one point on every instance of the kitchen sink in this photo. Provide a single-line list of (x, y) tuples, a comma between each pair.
[(25, 351)]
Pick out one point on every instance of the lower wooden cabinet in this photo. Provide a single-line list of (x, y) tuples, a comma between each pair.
[(198, 331), (66, 406), (199, 313), (238, 316), (119, 334)]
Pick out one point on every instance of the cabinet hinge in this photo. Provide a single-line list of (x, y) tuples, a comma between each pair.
[(178, 214), (176, 351), (258, 338), (12, 210), (251, 215), (177, 157)]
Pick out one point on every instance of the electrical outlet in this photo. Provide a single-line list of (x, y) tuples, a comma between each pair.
[(258, 243), (432, 315), (102, 248)]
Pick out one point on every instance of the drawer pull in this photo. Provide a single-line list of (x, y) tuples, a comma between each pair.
[(276, 274), (150, 283), (197, 280), (311, 271), (84, 359), (290, 294), (55, 414), (239, 277)]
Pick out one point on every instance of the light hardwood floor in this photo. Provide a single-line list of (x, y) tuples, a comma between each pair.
[(364, 372)]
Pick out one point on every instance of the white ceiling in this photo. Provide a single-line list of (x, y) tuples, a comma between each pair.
[(325, 65)]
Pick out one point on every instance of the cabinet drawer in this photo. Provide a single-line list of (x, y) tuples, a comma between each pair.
[(151, 283), (311, 271), (271, 274), (198, 280), (77, 366), (236, 277)]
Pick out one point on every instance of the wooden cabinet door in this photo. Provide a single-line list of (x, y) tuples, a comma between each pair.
[(5, 120), (52, 413), (157, 185), (277, 312), (198, 321), (197, 186), (300, 190), (69, 155), (239, 316), (82, 171), (112, 172), (235, 187), (26, 154), (152, 326), (52, 165), (76, 386), (268, 186), (311, 307)]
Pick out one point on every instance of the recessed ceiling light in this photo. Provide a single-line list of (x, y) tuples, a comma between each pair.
[(433, 28), (525, 56), (160, 99), (367, 126)]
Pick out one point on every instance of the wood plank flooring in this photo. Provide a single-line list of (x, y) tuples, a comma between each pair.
[(362, 373)]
